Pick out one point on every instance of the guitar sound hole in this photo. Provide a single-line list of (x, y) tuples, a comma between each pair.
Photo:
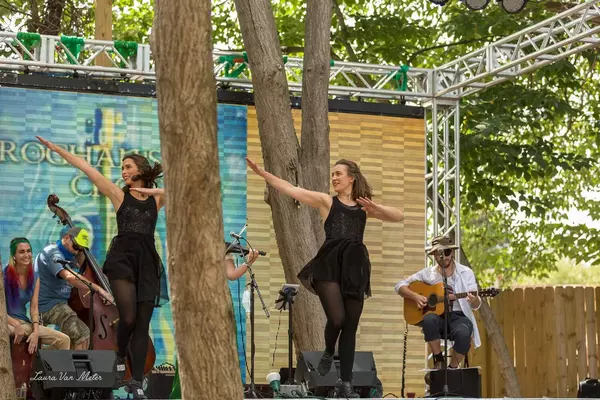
[(432, 301)]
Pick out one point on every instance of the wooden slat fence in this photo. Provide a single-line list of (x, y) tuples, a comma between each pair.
[(552, 336)]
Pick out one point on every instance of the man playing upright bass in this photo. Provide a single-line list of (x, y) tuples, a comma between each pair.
[(56, 283)]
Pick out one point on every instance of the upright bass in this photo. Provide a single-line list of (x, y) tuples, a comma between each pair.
[(103, 321)]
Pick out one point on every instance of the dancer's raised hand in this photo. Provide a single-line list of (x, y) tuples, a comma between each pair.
[(368, 205), (255, 167), (47, 143)]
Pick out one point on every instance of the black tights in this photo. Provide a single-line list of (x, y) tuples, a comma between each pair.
[(134, 324), (343, 315)]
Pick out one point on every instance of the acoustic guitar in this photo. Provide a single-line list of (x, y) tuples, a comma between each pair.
[(435, 300)]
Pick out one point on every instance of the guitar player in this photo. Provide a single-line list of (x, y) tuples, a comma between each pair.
[(462, 324)]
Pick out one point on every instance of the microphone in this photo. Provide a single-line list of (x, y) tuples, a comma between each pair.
[(245, 250), (235, 235), (64, 262)]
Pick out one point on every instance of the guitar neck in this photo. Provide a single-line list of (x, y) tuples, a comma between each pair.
[(465, 294)]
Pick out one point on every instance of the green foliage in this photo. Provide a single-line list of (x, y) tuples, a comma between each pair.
[(528, 147), (567, 273), (30, 15), (132, 20)]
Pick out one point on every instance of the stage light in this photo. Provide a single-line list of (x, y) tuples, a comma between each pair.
[(439, 2), (476, 5), (512, 6), (274, 380)]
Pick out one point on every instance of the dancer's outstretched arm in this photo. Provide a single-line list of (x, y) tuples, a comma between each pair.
[(379, 211), (158, 193), (321, 201), (104, 185)]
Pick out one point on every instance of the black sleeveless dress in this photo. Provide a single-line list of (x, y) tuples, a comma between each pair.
[(343, 257), (132, 254)]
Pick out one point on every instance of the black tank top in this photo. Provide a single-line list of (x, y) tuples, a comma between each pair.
[(137, 216), (345, 222)]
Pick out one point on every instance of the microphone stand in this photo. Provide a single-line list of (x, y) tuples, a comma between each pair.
[(445, 390), (91, 313), (286, 298), (253, 285), (252, 392)]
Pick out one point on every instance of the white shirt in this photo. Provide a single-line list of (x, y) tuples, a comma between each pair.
[(464, 281), (451, 284)]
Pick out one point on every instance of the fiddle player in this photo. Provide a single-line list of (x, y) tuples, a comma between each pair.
[(56, 284), (233, 273)]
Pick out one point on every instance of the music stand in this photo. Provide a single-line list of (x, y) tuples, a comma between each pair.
[(286, 298)]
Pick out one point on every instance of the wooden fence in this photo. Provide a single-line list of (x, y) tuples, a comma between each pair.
[(552, 336)]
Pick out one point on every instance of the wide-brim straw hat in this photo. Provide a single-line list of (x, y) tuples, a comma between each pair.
[(441, 243)]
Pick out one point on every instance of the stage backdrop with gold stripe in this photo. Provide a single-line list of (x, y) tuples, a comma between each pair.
[(391, 154)]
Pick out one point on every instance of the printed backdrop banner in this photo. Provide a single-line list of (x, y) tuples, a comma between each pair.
[(101, 129)]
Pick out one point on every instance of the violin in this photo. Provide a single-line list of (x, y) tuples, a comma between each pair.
[(105, 317)]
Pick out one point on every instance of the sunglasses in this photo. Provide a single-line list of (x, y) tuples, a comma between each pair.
[(76, 247), (445, 252)]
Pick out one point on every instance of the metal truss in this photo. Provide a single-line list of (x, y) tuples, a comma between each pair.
[(442, 169), (561, 36), (439, 90), (556, 38), (349, 80), (42, 53)]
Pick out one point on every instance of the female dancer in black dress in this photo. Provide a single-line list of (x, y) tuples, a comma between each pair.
[(340, 272), (132, 265)]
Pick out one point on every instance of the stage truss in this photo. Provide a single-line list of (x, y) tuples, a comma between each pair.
[(439, 90)]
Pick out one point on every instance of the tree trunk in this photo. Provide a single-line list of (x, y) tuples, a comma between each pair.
[(103, 27), (53, 19), (7, 380), (315, 104), (187, 109), (33, 24), (293, 225), (505, 362), (495, 335)]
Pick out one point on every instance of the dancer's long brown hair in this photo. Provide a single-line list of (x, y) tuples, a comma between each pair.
[(147, 174), (360, 187)]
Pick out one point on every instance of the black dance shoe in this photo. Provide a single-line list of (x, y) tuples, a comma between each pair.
[(119, 370), (344, 390), (325, 363), (135, 388)]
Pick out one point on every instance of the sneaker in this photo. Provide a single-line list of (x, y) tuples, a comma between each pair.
[(325, 363), (439, 362)]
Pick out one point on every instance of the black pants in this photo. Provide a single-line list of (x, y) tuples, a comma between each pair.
[(460, 329)]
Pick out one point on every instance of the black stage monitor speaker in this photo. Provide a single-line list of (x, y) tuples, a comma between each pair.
[(85, 374), (589, 388), (464, 382), (159, 384), (364, 374)]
